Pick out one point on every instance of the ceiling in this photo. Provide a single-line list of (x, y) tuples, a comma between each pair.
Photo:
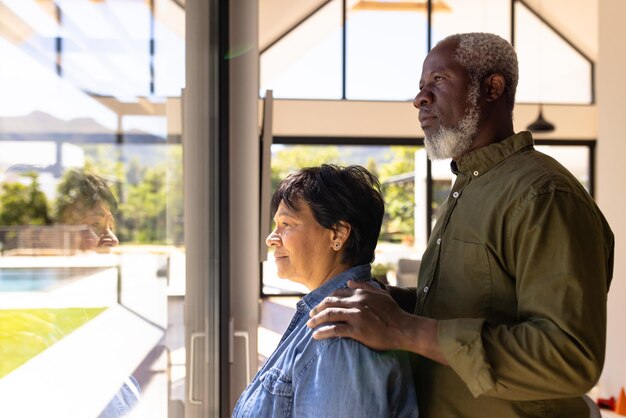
[(276, 17)]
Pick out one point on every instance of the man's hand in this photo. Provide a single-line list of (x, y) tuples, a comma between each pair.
[(361, 312), (371, 316)]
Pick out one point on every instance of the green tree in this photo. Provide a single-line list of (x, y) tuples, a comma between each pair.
[(144, 210), (399, 193), (293, 158), (175, 196), (24, 204)]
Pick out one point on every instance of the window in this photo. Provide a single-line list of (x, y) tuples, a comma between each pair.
[(385, 63), (318, 59), (91, 210), (551, 70), (456, 16)]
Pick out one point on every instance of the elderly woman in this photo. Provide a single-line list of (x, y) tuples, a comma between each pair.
[(327, 223), (85, 199)]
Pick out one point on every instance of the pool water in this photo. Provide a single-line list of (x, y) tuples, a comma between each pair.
[(39, 279)]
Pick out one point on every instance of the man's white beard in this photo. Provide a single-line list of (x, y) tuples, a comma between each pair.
[(455, 141)]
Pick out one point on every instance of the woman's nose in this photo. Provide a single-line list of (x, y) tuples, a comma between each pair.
[(108, 238), (272, 240)]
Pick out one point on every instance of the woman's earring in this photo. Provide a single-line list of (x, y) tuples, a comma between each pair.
[(337, 245)]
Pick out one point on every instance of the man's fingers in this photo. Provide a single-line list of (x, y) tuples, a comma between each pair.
[(361, 285), (338, 299), (343, 293), (334, 330), (331, 315)]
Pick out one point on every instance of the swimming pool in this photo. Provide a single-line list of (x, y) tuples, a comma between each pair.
[(40, 279)]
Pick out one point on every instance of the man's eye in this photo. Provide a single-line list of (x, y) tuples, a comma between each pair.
[(438, 78)]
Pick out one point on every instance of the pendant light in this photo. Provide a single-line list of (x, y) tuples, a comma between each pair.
[(540, 124)]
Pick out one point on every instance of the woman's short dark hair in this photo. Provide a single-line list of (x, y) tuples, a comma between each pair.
[(350, 194), (80, 191)]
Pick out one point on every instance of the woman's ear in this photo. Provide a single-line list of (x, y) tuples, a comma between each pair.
[(493, 87), (341, 232)]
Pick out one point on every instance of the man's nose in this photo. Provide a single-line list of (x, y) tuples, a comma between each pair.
[(423, 98)]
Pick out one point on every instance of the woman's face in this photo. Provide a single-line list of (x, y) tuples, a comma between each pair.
[(100, 222), (302, 247)]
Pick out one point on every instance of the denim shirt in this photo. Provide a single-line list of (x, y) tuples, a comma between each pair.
[(335, 377)]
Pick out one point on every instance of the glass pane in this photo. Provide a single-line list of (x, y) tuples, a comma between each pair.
[(551, 71), (385, 63), (106, 46), (91, 236), (307, 62), (457, 16), (395, 167), (169, 57)]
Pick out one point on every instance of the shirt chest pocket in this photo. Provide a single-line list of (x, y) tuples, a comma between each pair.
[(463, 286), (273, 397)]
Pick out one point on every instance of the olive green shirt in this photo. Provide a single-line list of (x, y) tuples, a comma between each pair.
[(517, 271)]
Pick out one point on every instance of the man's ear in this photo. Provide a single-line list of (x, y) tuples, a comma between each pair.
[(493, 87)]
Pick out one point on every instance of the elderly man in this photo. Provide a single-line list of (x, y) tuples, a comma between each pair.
[(509, 315)]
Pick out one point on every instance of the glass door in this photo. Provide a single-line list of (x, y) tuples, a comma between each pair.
[(94, 217)]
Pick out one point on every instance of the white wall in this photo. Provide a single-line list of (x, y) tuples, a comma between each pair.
[(611, 87), (399, 119)]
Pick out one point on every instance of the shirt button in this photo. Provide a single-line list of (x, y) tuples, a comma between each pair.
[(475, 173), (438, 241), (455, 195), (425, 289)]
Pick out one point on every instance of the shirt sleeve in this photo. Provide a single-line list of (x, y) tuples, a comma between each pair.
[(563, 253), (347, 379)]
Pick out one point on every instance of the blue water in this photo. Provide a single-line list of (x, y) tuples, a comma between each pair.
[(38, 279)]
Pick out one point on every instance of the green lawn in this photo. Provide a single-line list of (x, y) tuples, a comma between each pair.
[(24, 333)]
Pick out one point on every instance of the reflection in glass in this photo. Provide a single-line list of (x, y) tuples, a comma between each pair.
[(91, 217)]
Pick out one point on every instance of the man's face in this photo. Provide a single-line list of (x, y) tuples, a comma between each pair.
[(447, 104)]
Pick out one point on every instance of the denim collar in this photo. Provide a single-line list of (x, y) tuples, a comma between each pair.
[(357, 273)]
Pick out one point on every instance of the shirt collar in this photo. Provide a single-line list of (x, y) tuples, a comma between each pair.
[(479, 161), (357, 273)]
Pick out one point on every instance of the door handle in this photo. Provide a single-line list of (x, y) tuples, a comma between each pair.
[(246, 337), (192, 366)]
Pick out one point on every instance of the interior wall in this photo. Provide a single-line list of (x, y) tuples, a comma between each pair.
[(399, 119), (611, 87)]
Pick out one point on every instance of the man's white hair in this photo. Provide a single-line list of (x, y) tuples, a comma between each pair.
[(483, 54)]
